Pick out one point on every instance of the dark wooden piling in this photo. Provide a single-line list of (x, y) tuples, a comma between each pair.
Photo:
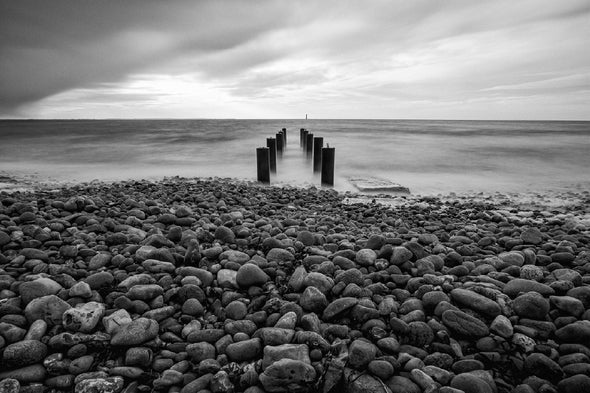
[(271, 143), (279, 137), (263, 164), (309, 145), (304, 145), (318, 144), (328, 154), (284, 130), (301, 137)]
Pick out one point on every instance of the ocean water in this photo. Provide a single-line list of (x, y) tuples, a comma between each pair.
[(428, 156)]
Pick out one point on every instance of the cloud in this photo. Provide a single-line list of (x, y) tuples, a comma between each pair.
[(377, 58)]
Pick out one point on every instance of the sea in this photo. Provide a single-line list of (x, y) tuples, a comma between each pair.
[(428, 156)]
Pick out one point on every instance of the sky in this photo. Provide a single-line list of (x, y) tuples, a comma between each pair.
[(437, 59)]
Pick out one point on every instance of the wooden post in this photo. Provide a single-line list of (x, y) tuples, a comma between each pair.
[(309, 145), (279, 144), (262, 164), (328, 154), (318, 143), (271, 143), (304, 145), (285, 135), (301, 137)]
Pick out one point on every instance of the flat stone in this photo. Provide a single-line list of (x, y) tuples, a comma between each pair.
[(27, 374), (531, 236), (273, 354), (144, 292), (279, 255), (339, 306), (84, 317), (235, 256), (469, 383), (543, 367), (113, 322), (574, 384), (518, 285), (49, 308), (40, 287), (568, 304), (476, 302), (464, 324), (244, 350), (135, 333), (24, 353), (288, 375), (577, 332)]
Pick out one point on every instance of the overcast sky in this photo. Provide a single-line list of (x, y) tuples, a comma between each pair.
[(464, 59)]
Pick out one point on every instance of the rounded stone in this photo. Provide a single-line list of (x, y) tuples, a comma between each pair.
[(135, 333), (313, 300), (24, 353), (249, 275), (469, 383), (464, 324), (531, 305), (366, 257), (361, 353)]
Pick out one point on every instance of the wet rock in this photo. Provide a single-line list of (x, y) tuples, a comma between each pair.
[(338, 307), (225, 234), (362, 383), (366, 257), (568, 304), (288, 375), (102, 385), (84, 317), (464, 324), (542, 366), (244, 350), (574, 384), (144, 292), (23, 353), (27, 374), (361, 353), (249, 275), (49, 308), (136, 332), (113, 322), (470, 383), (38, 288), (476, 302), (576, 332), (273, 354), (531, 305), (198, 352), (279, 255), (502, 326), (9, 385), (518, 285), (313, 300)]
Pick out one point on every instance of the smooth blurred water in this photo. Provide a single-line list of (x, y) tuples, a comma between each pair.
[(426, 156)]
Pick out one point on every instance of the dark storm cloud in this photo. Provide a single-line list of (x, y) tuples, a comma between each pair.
[(50, 46)]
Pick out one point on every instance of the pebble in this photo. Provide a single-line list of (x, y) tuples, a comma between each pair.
[(136, 332), (531, 305), (249, 275), (464, 324), (287, 375), (476, 302), (220, 286)]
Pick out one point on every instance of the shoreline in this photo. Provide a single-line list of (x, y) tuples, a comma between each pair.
[(222, 284)]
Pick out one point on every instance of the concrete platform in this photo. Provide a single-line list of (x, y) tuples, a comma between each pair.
[(375, 184)]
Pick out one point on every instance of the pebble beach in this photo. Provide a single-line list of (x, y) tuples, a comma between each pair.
[(218, 285)]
